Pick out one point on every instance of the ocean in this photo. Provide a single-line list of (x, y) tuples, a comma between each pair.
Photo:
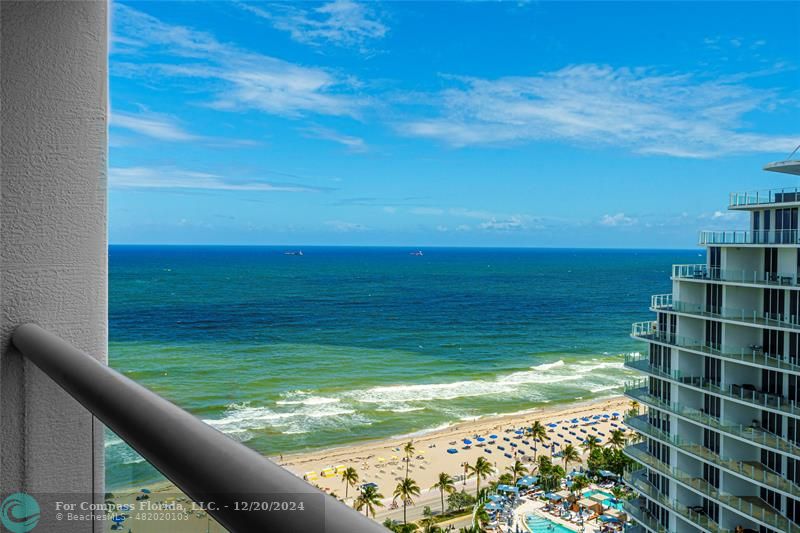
[(289, 353)]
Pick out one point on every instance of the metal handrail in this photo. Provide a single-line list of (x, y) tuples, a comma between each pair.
[(201, 461), (702, 272), (766, 196)]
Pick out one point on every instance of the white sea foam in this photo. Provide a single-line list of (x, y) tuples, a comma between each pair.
[(312, 400), (602, 388)]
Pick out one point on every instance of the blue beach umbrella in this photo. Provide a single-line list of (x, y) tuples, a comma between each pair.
[(492, 436), (145, 491), (596, 417), (606, 416), (480, 439), (519, 432), (575, 420), (616, 415), (467, 441), (552, 425), (452, 450)]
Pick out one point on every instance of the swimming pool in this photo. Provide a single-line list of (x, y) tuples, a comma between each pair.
[(608, 502), (540, 524)]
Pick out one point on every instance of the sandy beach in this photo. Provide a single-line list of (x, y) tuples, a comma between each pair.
[(380, 462), (431, 457)]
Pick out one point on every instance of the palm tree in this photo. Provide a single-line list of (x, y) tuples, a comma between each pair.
[(537, 431), (517, 470), (570, 455), (634, 407), (481, 469), (429, 525), (349, 478), (445, 483), (408, 449), (617, 439), (579, 483), (589, 444), (405, 490), (618, 492), (369, 499)]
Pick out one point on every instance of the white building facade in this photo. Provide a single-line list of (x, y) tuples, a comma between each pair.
[(720, 440)]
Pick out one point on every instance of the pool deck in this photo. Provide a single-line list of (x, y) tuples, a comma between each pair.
[(535, 507)]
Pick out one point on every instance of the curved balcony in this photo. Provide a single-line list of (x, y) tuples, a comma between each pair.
[(745, 237), (743, 393), (648, 331), (747, 470), (749, 506), (702, 272), (752, 434), (638, 481), (750, 317), (637, 510)]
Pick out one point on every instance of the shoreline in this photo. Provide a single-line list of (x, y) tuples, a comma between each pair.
[(380, 461)]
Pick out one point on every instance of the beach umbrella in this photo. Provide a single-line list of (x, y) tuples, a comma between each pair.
[(575, 420), (606, 416), (551, 425), (452, 450), (519, 432), (616, 415), (492, 436), (596, 417), (467, 441), (146, 491)]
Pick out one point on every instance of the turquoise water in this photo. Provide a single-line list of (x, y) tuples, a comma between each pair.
[(608, 502), (289, 353), (539, 524)]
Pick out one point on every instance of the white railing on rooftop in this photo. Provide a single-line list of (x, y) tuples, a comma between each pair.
[(768, 196), (661, 301), (784, 236)]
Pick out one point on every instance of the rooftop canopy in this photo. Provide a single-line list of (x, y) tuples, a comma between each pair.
[(786, 167)]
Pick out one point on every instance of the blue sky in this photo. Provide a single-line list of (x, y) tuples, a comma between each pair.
[(463, 124)]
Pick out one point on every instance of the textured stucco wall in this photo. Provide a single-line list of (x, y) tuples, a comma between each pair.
[(53, 73)]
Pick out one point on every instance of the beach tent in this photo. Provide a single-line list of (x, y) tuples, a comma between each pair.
[(592, 505), (527, 481), (599, 497)]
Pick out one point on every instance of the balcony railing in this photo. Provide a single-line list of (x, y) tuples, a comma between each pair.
[(637, 481), (754, 277), (665, 302), (751, 433), (784, 236), (749, 470), (768, 196), (750, 506), (648, 331), (201, 461), (638, 511), (743, 392)]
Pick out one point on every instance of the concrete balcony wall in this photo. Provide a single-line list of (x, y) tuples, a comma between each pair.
[(749, 298), (787, 260), (735, 335), (53, 249), (748, 259)]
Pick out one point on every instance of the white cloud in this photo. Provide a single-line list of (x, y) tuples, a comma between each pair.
[(341, 22), (680, 115), (515, 222), (617, 220), (175, 178), (159, 127), (237, 79), (345, 227), (389, 209), (353, 144), (433, 211)]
